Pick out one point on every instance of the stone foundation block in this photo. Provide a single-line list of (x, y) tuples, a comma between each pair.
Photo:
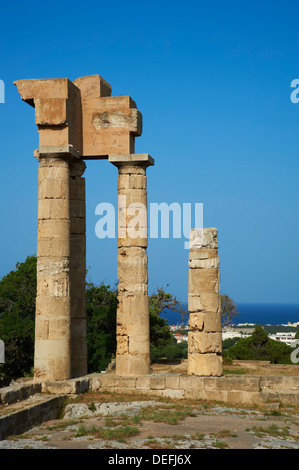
[(158, 383), (191, 383), (215, 395), (113, 381), (172, 382), (205, 365), (66, 387), (274, 382), (143, 383), (173, 394), (132, 365), (246, 384), (243, 397), (193, 394)]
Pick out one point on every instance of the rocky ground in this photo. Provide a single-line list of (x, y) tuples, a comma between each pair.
[(111, 421)]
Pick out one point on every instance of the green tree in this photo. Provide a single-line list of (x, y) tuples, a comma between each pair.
[(297, 334), (160, 335), (259, 347), (229, 342), (163, 344), (175, 351), (160, 301), (101, 304), (228, 310), (17, 320)]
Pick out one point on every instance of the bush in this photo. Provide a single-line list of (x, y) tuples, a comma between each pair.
[(17, 320), (259, 347), (17, 323), (101, 304), (228, 343)]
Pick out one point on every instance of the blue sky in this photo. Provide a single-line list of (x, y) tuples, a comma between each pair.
[(212, 80)]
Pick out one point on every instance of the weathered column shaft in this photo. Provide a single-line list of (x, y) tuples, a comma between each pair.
[(53, 304), (133, 343), (81, 120), (78, 269), (204, 304), (60, 336)]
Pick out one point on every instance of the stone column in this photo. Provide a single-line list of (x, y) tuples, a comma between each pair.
[(81, 120), (204, 304), (133, 339), (78, 269), (59, 331)]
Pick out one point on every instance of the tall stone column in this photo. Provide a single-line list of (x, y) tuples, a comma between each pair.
[(78, 268), (76, 121), (133, 337), (53, 302), (204, 304)]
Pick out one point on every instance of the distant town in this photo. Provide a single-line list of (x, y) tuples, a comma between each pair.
[(284, 333)]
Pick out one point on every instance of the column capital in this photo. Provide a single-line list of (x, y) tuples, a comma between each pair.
[(58, 151), (141, 159)]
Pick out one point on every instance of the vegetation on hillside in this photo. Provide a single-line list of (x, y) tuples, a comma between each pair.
[(259, 347), (17, 322), (17, 317), (229, 310)]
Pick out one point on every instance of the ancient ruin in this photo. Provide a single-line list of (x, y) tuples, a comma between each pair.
[(204, 305), (133, 329), (80, 121)]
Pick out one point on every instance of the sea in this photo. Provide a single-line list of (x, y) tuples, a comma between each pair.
[(259, 314)]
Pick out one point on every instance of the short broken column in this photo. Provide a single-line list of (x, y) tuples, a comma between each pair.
[(133, 337), (204, 304)]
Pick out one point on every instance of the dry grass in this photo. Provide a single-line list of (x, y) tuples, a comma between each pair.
[(251, 369)]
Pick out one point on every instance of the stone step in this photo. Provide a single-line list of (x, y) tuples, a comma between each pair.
[(279, 382), (19, 417), (66, 387), (284, 395), (21, 391), (18, 392)]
